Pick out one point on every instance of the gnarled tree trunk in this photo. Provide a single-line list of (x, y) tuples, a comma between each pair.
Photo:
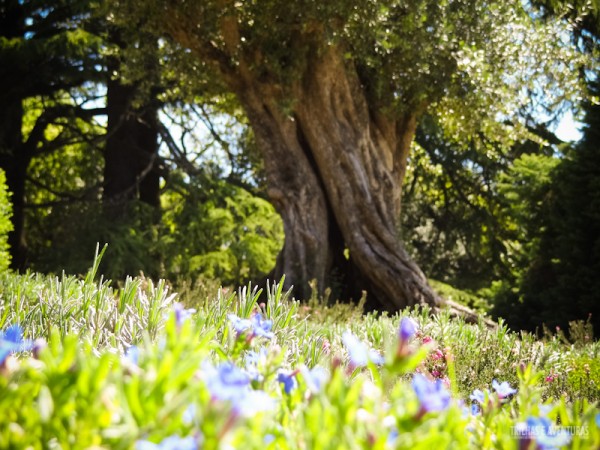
[(334, 167), (361, 159), (294, 189)]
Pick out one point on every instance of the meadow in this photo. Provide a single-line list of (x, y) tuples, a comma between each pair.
[(142, 367)]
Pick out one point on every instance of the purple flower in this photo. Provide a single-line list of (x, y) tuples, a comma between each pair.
[(253, 360), (542, 431), (182, 314), (359, 353), (12, 341), (262, 327), (256, 324), (433, 396), (598, 420), (478, 395), (229, 383), (226, 382), (314, 378), (503, 389), (169, 443), (408, 328), (288, 379)]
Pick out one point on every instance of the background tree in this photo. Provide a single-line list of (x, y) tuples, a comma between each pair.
[(44, 36)]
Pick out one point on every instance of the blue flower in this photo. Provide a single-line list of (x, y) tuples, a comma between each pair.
[(226, 382), (359, 353), (503, 389), (478, 395), (546, 436), (12, 341), (133, 354), (433, 396), (598, 420), (262, 327), (182, 314), (392, 438), (229, 383), (253, 361), (314, 378), (256, 324), (408, 328), (288, 379), (239, 325), (169, 443)]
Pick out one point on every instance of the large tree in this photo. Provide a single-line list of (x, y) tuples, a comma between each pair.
[(334, 92), (44, 55)]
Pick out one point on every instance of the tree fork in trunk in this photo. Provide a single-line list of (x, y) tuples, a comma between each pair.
[(361, 163)]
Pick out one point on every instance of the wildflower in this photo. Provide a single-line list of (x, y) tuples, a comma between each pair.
[(438, 354), (472, 410), (503, 389), (262, 327), (229, 383), (478, 396), (392, 438), (182, 314), (550, 378), (408, 328), (256, 324), (253, 361), (226, 382), (359, 353), (12, 341), (545, 435), (598, 420), (239, 325), (133, 354), (433, 396), (170, 443), (288, 379), (253, 402), (314, 378)]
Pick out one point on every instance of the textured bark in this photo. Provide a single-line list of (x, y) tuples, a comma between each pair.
[(361, 160), (131, 153), (294, 190), (334, 168)]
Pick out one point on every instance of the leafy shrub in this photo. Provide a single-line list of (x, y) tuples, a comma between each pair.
[(5, 224)]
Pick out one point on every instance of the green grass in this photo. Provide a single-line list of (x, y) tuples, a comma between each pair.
[(80, 391)]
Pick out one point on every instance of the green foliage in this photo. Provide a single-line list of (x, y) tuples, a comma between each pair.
[(219, 231), (78, 391), (555, 251), (72, 231), (457, 59), (5, 224)]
